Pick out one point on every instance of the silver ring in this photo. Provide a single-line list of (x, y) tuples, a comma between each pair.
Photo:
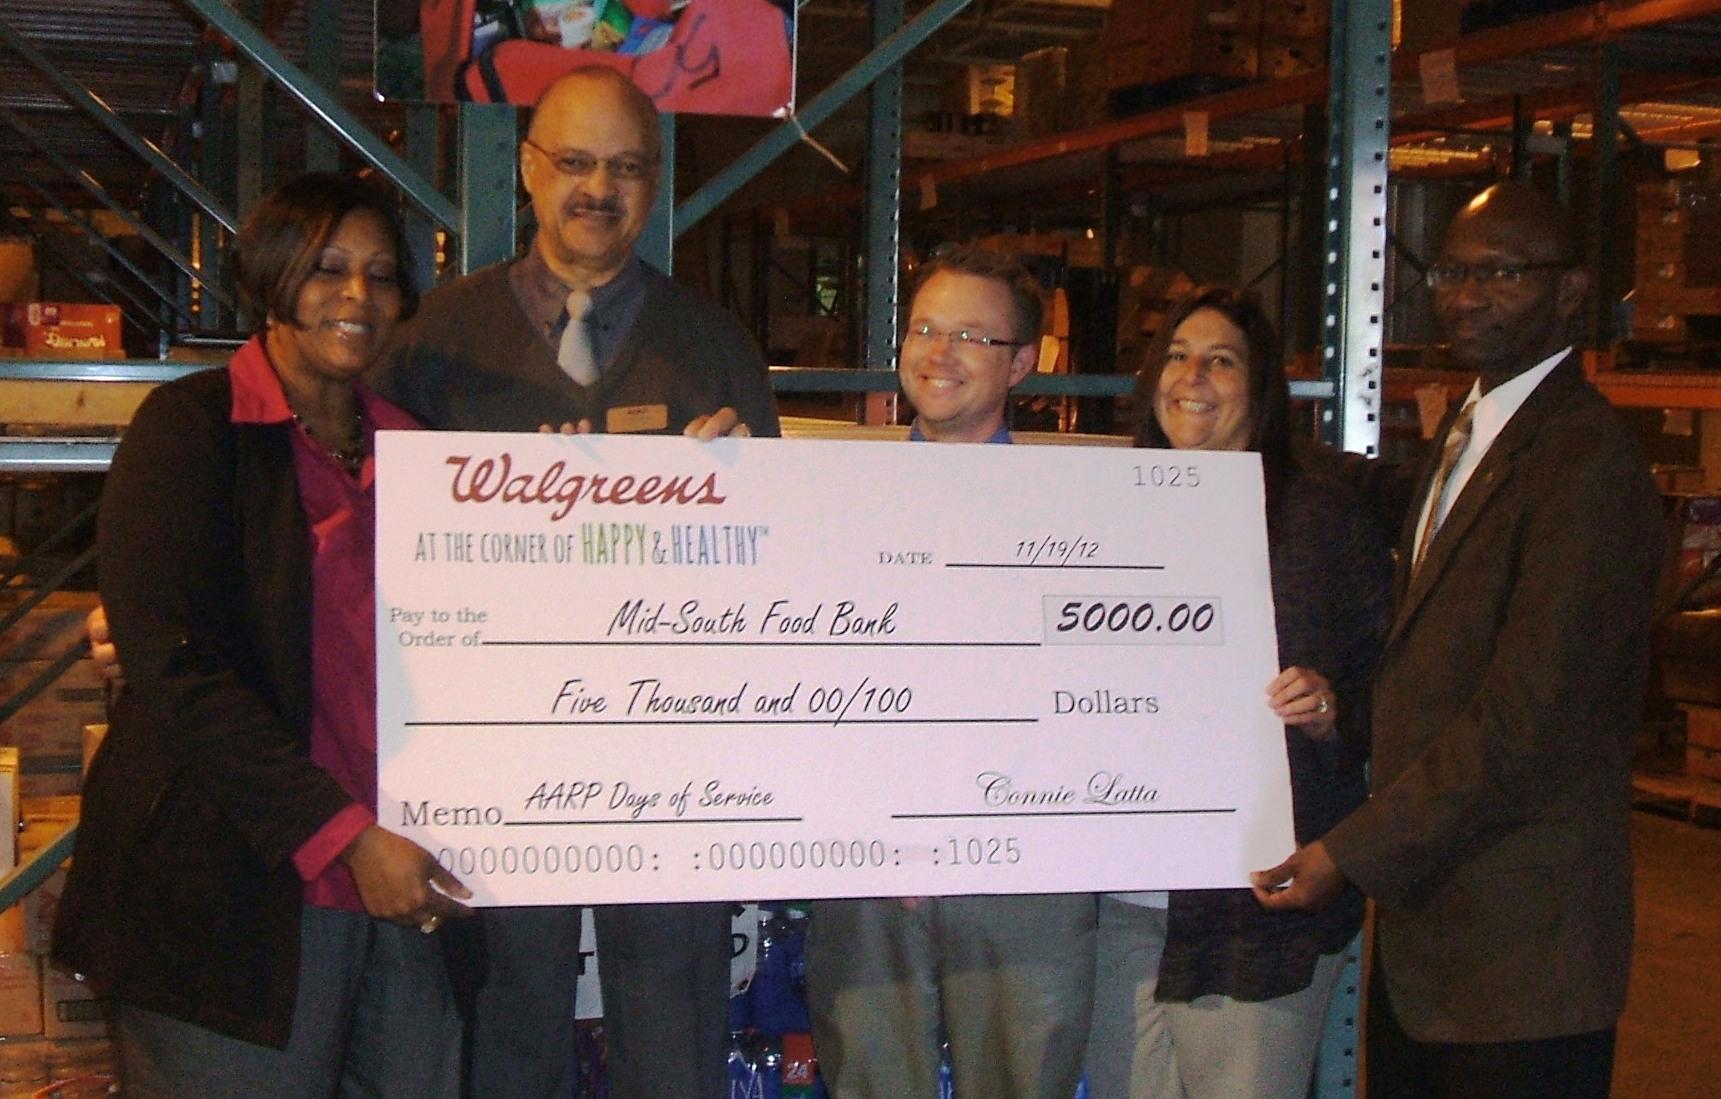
[(430, 924), (1321, 706)]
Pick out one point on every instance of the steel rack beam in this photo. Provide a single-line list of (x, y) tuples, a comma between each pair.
[(423, 142), (51, 249), (1249, 99), (327, 109), (92, 370), (18, 884), (23, 566), (96, 191), (1353, 302), (656, 244), (780, 140), (44, 455), (323, 65), (1563, 29), (84, 100), (884, 196), (1604, 196), (1589, 23), (488, 158), (102, 242)]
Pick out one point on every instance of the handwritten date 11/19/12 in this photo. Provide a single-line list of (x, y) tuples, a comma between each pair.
[(1055, 551)]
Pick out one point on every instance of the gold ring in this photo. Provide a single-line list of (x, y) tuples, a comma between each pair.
[(430, 924)]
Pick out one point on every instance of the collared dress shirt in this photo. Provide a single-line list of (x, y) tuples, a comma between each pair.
[(340, 510), (1494, 410), (615, 305), (1002, 435)]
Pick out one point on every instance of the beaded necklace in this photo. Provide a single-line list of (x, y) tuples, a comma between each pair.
[(350, 458)]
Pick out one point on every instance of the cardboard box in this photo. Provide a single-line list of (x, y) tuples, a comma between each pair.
[(1688, 655), (1686, 301), (45, 818), (20, 995), (1672, 194), (1041, 77), (1084, 102), (1703, 726), (56, 330), (24, 1064), (48, 629), (1288, 55), (12, 932), (70, 1008), (1653, 326), (982, 89), (1201, 52), (81, 1059), (49, 729), (1703, 762), (18, 281), (1685, 272), (1150, 41), (1428, 24), (41, 906), (1679, 234), (11, 802), (1295, 19), (1146, 20), (1230, 15)]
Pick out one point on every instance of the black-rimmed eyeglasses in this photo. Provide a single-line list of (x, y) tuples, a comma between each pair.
[(961, 337), (578, 164), (1446, 275)]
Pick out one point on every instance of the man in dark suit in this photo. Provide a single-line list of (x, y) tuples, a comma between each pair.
[(1495, 842)]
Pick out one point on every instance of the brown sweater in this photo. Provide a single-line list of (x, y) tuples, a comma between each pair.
[(472, 361)]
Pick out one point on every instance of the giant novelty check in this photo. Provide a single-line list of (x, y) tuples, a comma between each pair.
[(617, 669)]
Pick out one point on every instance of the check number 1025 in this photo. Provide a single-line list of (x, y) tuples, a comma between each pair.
[(1157, 620)]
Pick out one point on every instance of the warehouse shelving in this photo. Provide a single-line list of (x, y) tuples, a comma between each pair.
[(1647, 62)]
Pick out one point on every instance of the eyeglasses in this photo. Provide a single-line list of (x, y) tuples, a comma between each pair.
[(578, 164), (925, 333), (1446, 275)]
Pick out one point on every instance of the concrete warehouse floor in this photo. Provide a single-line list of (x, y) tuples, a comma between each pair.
[(1670, 1037)]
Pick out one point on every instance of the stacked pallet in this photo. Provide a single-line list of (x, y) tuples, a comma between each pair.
[(1159, 52), (1678, 260), (48, 729)]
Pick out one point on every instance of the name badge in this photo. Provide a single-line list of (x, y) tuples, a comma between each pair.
[(636, 417)]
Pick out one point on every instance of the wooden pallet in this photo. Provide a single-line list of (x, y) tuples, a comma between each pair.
[(1697, 800)]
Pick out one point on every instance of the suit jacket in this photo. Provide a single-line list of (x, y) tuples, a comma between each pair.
[(182, 896), (1495, 837)]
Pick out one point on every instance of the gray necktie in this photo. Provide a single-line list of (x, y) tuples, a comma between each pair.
[(1457, 438), (574, 353)]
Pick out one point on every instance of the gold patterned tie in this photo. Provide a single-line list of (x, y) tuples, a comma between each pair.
[(574, 353), (1457, 438)]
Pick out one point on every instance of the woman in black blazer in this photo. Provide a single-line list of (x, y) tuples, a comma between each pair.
[(1203, 994), (231, 889)]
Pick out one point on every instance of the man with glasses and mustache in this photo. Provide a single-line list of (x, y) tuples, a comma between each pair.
[(1008, 980), (580, 334), (1495, 842), (580, 330)]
